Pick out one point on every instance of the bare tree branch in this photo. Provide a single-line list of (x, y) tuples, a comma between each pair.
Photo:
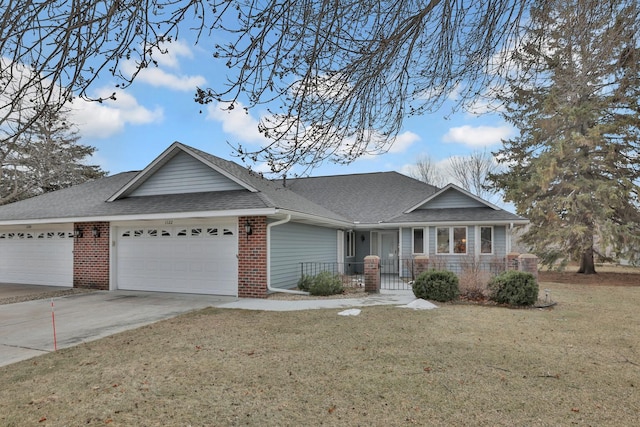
[(338, 77)]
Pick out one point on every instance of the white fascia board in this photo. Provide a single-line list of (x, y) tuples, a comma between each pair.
[(395, 225), (142, 217)]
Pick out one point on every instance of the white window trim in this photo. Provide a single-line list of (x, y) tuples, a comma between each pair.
[(425, 240), (493, 235), (451, 240)]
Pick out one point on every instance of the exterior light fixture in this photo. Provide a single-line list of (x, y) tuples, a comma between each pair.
[(95, 231), (77, 233), (247, 228)]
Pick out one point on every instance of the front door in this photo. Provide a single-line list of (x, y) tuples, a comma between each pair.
[(388, 252)]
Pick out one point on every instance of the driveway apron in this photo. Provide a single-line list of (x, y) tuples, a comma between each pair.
[(27, 328)]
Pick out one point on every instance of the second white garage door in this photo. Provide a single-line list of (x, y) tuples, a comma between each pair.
[(199, 259)]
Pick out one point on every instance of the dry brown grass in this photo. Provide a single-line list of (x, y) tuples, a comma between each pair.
[(578, 363)]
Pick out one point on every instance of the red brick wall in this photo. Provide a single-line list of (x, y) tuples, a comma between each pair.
[(91, 257), (252, 258), (372, 274)]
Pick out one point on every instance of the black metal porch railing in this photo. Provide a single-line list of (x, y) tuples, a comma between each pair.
[(398, 274)]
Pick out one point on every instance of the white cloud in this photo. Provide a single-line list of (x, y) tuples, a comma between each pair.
[(236, 122), (103, 120), (159, 76), (403, 142), (477, 136)]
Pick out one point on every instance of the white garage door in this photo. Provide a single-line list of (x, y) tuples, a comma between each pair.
[(199, 259), (37, 257)]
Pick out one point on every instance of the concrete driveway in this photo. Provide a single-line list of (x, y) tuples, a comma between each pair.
[(26, 328)]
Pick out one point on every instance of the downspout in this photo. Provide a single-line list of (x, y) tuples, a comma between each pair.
[(269, 288)]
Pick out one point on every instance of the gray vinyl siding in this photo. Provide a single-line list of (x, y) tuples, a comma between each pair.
[(452, 199), (185, 174), (292, 244), (405, 249), (499, 241)]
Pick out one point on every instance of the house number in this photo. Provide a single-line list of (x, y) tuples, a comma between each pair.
[(168, 222)]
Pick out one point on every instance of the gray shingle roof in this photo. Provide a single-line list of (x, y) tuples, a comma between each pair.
[(366, 198), (88, 200), (369, 198)]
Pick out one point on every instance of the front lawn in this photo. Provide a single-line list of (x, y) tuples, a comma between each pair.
[(575, 364)]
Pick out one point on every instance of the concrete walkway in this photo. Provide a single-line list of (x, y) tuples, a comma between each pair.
[(384, 298)]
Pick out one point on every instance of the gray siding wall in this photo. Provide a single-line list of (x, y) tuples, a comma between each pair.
[(452, 199), (293, 243), (499, 241), (405, 248), (184, 174)]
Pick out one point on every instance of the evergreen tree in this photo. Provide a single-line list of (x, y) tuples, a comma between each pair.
[(45, 158), (574, 169)]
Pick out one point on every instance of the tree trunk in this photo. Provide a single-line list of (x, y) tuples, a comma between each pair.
[(587, 265)]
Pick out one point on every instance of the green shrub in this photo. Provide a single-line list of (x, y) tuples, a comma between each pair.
[(305, 282), (514, 288), (436, 285), (325, 283)]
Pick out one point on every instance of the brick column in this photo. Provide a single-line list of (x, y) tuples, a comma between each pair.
[(252, 257), (91, 256), (512, 261), (420, 265), (372, 274), (529, 264)]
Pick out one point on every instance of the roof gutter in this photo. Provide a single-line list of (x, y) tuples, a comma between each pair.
[(269, 288)]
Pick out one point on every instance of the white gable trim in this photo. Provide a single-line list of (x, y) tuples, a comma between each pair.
[(456, 188), (161, 160)]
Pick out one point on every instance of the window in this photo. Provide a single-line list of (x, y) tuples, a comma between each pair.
[(351, 244), (442, 236), (486, 240), (460, 240), (451, 240), (419, 246)]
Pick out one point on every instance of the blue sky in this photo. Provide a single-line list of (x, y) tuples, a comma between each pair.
[(159, 108)]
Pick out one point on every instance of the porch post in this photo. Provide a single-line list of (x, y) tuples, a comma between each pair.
[(529, 264), (512, 261), (420, 265), (372, 274)]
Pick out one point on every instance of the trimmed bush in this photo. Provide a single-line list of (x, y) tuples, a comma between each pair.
[(514, 288), (305, 282), (326, 283), (436, 285)]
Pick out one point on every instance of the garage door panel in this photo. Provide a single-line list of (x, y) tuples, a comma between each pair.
[(193, 259), (43, 257)]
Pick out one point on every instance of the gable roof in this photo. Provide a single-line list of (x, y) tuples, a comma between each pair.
[(369, 199), (111, 198), (173, 151)]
